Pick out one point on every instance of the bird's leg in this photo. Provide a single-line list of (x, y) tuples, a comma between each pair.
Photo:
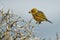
[(39, 22)]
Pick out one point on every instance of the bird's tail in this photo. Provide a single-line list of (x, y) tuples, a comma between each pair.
[(49, 21)]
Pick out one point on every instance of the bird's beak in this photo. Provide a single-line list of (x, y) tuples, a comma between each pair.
[(29, 11)]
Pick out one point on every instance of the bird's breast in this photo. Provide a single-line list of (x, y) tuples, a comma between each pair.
[(37, 18)]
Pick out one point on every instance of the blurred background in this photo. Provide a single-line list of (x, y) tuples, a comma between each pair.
[(51, 8)]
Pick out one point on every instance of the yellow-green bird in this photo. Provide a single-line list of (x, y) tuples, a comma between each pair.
[(39, 16)]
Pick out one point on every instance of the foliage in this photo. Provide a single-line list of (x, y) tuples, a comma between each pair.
[(13, 27)]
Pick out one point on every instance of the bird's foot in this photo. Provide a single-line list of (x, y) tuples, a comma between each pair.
[(38, 22)]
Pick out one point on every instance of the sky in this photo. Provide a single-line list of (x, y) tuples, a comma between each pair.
[(51, 8)]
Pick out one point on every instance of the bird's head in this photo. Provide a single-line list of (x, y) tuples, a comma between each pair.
[(33, 11)]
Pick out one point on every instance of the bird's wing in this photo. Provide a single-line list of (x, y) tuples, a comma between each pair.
[(41, 14)]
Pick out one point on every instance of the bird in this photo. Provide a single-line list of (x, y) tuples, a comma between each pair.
[(38, 15)]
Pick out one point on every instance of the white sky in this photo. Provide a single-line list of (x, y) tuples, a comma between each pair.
[(51, 8)]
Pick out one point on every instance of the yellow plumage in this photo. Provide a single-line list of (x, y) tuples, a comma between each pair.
[(39, 16)]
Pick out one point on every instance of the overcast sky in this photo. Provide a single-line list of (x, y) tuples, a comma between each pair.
[(51, 8)]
